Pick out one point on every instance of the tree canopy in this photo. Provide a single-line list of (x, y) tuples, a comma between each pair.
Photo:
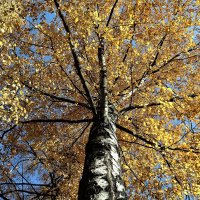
[(50, 90)]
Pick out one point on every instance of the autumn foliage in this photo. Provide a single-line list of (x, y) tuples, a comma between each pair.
[(50, 91)]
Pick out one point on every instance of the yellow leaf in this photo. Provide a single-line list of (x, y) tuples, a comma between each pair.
[(170, 90), (76, 19)]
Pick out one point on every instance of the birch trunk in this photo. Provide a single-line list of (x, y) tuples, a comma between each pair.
[(102, 175)]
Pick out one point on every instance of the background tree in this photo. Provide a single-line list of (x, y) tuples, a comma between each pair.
[(63, 61)]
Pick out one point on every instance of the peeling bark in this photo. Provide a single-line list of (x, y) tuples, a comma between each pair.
[(102, 175)]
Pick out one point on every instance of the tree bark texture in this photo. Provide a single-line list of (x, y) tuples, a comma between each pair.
[(102, 175)]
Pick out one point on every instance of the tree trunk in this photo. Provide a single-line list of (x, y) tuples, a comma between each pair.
[(101, 178)]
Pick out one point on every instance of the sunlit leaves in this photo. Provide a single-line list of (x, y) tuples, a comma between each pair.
[(12, 100), (152, 59)]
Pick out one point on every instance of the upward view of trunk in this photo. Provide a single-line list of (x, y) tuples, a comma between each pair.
[(102, 178)]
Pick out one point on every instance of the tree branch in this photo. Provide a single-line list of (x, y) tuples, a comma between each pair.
[(172, 59), (28, 192), (157, 51), (111, 13), (135, 135), (2, 196), (173, 99), (170, 167), (28, 184), (76, 59), (82, 132), (57, 120), (57, 97), (193, 150), (6, 131), (139, 82)]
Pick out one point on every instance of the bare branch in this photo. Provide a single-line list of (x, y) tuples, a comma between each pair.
[(160, 44), (140, 82), (57, 120), (6, 131), (135, 135), (193, 150), (82, 132), (173, 99), (27, 184), (76, 59), (172, 59), (170, 167), (3, 197), (111, 13), (57, 97)]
